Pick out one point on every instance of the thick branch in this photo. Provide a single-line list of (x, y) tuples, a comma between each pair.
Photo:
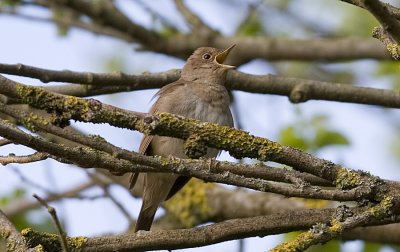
[(199, 236), (15, 241), (105, 13), (322, 233), (259, 170), (298, 90), (88, 158), (238, 143)]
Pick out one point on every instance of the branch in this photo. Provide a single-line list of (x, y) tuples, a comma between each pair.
[(199, 28), (390, 43), (206, 235), (52, 211), (298, 90), (88, 158), (197, 135), (38, 156), (388, 16), (259, 170), (18, 207), (5, 142), (388, 234), (15, 241), (383, 14), (195, 237), (322, 233), (105, 14)]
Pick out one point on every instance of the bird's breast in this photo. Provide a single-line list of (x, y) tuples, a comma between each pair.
[(207, 103), (211, 105)]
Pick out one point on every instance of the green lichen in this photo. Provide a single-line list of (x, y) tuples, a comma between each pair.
[(190, 206), (346, 178), (336, 227), (30, 120), (62, 108), (394, 50), (51, 242), (302, 242), (39, 248), (77, 242), (97, 138), (238, 143), (382, 210), (194, 146)]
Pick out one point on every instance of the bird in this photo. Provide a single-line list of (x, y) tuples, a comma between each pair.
[(200, 94)]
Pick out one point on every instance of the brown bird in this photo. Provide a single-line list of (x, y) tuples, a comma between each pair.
[(200, 94)]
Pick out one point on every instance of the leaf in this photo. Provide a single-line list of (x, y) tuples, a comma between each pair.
[(326, 137), (290, 137)]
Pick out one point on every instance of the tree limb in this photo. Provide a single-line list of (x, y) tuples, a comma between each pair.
[(238, 143), (38, 156), (52, 211), (88, 158), (15, 241), (298, 90), (199, 236)]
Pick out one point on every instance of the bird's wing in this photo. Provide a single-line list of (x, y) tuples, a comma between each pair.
[(143, 149), (145, 143)]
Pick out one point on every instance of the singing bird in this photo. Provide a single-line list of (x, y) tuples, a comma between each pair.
[(200, 94)]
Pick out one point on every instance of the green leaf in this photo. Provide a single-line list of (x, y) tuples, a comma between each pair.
[(324, 137), (290, 137)]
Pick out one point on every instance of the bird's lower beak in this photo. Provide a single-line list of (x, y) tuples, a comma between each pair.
[(220, 58)]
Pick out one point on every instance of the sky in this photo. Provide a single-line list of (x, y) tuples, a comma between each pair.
[(38, 44)]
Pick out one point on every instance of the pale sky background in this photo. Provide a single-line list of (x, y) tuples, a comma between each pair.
[(367, 127)]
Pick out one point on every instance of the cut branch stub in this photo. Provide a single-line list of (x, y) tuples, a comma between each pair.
[(300, 93)]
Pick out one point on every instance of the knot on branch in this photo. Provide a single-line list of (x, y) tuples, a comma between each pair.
[(342, 213), (148, 124), (300, 93), (195, 146)]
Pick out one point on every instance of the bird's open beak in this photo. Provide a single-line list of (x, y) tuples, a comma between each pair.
[(220, 58)]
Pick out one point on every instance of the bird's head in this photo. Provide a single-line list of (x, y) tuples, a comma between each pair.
[(207, 64)]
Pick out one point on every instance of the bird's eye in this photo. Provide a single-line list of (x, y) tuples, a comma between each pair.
[(206, 56)]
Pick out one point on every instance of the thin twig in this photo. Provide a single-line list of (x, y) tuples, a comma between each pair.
[(298, 90), (37, 156), (21, 206), (97, 178), (198, 26), (53, 214), (28, 181)]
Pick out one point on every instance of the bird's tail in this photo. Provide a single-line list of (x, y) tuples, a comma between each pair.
[(145, 219), (156, 188)]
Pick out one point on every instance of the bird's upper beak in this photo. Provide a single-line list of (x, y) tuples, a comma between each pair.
[(220, 58)]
